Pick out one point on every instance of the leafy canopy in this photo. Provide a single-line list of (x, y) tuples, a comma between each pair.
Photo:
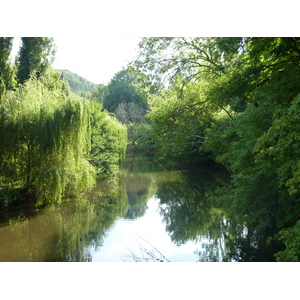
[(48, 138), (239, 98)]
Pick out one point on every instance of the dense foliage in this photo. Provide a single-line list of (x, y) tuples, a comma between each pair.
[(6, 68), (45, 135), (53, 142), (123, 97), (235, 101), (108, 141), (122, 89), (35, 56)]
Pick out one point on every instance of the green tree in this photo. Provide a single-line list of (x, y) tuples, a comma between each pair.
[(291, 238), (100, 92), (108, 140), (7, 81), (179, 116), (122, 89), (163, 59), (124, 97), (190, 68), (35, 56)]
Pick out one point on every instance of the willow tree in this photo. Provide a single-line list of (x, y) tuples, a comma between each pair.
[(45, 132)]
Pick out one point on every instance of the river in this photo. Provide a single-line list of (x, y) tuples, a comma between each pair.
[(146, 214)]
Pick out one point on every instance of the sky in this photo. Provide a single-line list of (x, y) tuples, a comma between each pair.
[(95, 58)]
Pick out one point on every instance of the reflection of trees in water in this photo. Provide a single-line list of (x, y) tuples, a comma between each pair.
[(191, 214), (239, 243), (68, 232), (251, 246), (186, 208), (138, 189), (137, 205), (135, 165), (94, 219), (214, 251), (186, 204)]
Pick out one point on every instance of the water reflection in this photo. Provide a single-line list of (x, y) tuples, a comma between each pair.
[(138, 189), (65, 233), (176, 206), (190, 215), (146, 253)]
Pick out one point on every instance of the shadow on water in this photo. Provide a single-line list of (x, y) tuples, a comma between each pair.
[(72, 231)]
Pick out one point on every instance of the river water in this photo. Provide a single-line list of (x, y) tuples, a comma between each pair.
[(146, 214)]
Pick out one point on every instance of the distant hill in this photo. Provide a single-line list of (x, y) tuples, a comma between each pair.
[(78, 84)]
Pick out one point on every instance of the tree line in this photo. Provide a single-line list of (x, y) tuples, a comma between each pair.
[(53, 142)]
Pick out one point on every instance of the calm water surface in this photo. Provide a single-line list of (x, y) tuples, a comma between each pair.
[(145, 214)]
